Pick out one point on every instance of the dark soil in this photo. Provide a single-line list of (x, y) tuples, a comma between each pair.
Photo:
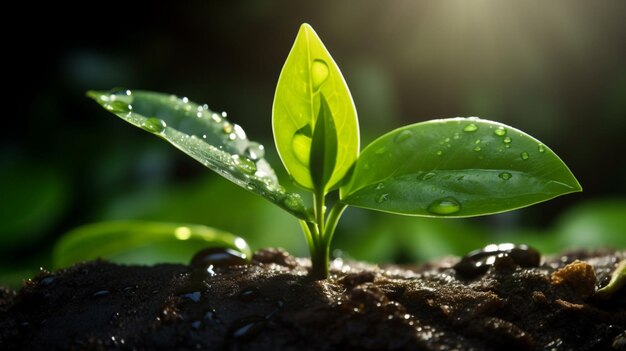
[(271, 304)]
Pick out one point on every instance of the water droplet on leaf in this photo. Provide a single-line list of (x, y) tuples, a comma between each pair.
[(472, 127), (227, 128), (380, 186), (154, 125), (381, 150), (244, 164), (541, 148), (444, 206), (500, 131), (403, 136), (477, 148), (293, 201), (505, 175), (381, 198), (241, 134), (524, 155), (319, 73), (507, 140), (428, 175), (255, 151)]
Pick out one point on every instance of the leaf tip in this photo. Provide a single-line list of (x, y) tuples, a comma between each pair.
[(93, 94)]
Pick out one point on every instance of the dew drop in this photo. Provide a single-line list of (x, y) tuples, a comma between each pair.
[(218, 256), (245, 165), (224, 114), (380, 186), (319, 73), (381, 198), (403, 136), (477, 148), (428, 175), (524, 155), (439, 153), (500, 131), (154, 125), (293, 202), (227, 128), (505, 175), (241, 134), (477, 141), (117, 106), (254, 151), (185, 100), (472, 127), (444, 206), (541, 148), (507, 140), (216, 118)]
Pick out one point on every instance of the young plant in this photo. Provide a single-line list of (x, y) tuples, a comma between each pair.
[(457, 167)]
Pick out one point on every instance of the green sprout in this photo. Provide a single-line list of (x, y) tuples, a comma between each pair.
[(456, 167)]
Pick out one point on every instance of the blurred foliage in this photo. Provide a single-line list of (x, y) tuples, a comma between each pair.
[(136, 242), (553, 69)]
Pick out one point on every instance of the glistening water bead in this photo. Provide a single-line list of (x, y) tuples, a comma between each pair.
[(444, 206), (472, 127), (154, 125)]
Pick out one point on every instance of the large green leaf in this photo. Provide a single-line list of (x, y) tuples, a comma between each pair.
[(136, 242), (456, 167), (204, 135), (309, 72)]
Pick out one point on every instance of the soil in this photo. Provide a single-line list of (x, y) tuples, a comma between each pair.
[(502, 297)]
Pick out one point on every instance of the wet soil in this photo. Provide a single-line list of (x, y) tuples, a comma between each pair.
[(502, 298)]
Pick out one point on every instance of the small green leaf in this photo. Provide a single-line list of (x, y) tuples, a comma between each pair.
[(323, 147), (134, 242), (309, 72), (618, 280), (204, 135), (456, 167)]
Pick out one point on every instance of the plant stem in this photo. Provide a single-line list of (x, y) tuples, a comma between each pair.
[(321, 233), (331, 223)]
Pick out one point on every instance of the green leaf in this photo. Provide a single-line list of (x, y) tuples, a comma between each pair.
[(323, 147), (456, 167), (135, 242), (204, 135), (309, 72)]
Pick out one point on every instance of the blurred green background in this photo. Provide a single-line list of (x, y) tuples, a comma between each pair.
[(556, 70)]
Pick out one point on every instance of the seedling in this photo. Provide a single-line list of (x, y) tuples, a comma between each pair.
[(457, 167)]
